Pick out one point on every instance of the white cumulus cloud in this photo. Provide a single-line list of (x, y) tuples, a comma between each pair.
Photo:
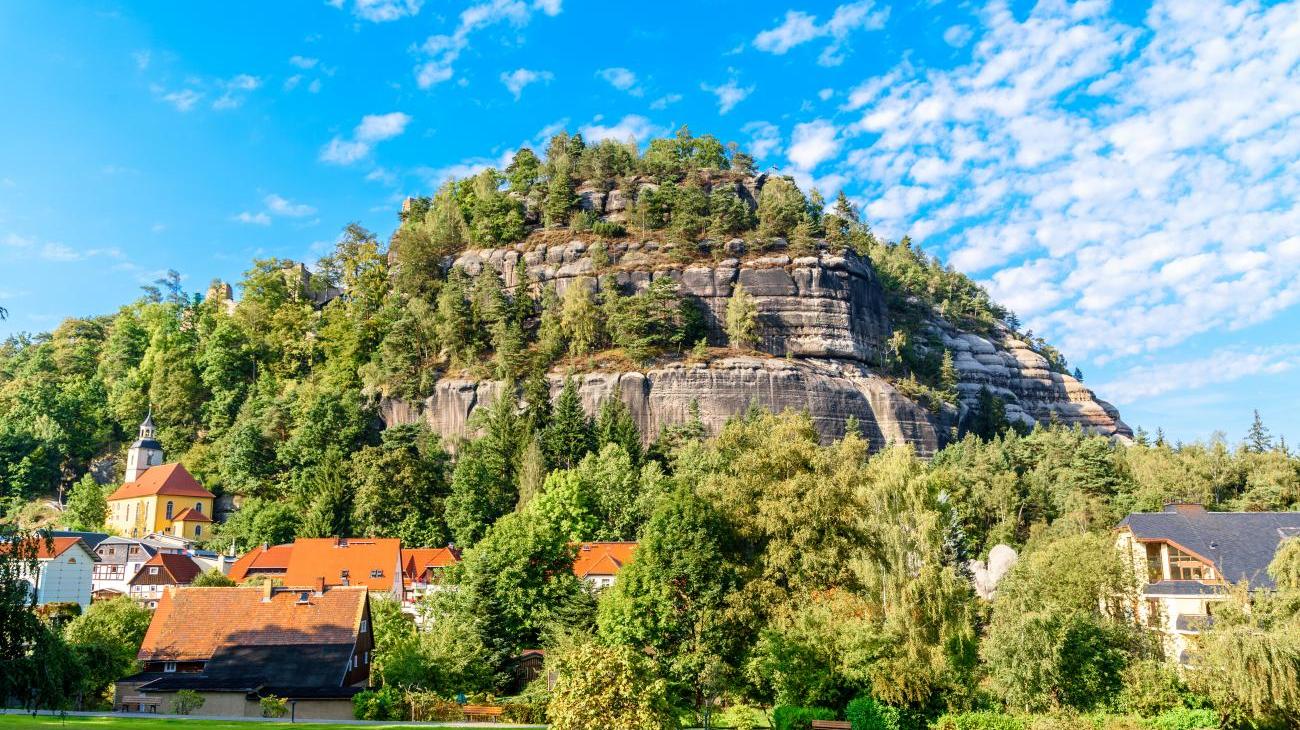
[(729, 94), (516, 81), (374, 128), (799, 28), (812, 144), (441, 51)]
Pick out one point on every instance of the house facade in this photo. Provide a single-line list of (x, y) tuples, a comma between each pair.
[(162, 571), (64, 566), (423, 571), (1186, 558), (157, 497), (234, 646), (599, 563), (120, 558)]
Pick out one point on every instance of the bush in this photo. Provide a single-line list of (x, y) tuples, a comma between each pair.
[(273, 707), (865, 713), (382, 704), (979, 721), (1183, 718), (787, 717), (608, 229), (186, 701), (1150, 688)]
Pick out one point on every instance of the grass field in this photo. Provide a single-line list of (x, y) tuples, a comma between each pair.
[(13, 722)]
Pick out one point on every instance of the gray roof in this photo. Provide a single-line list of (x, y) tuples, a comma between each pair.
[(311, 669), (119, 557), (1241, 544), (92, 539), (1181, 588)]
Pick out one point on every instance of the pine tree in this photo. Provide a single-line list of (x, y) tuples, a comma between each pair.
[(330, 508), (948, 376), (614, 425), (569, 436), (455, 318), (87, 506), (988, 419), (1258, 439), (532, 472), (742, 319), (580, 318)]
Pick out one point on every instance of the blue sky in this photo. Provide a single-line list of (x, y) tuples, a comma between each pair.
[(1124, 176)]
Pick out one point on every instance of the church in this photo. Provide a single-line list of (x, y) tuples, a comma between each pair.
[(157, 497)]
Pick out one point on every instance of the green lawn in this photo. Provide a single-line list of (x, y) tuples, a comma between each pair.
[(131, 723)]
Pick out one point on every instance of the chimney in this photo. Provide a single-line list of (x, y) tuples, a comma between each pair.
[(320, 584), (267, 590), (1189, 509)]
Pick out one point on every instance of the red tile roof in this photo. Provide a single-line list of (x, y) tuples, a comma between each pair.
[(56, 547), (328, 557), (189, 514), (602, 558), (191, 623), (162, 479), (417, 560), (261, 559), (180, 568)]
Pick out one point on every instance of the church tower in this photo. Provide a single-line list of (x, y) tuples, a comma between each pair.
[(145, 452)]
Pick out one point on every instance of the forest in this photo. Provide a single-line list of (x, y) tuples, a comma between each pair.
[(777, 578)]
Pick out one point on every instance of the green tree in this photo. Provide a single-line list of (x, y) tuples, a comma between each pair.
[(408, 468), (742, 319), (109, 632), (580, 319), (615, 425), (568, 437), (780, 207), (483, 482), (524, 171), (87, 506), (728, 214), (212, 578), (1258, 439), (606, 688)]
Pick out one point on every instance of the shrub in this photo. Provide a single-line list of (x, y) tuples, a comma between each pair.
[(1150, 688), (1183, 718), (186, 701), (273, 707), (865, 713), (381, 704), (979, 721), (608, 229), (787, 717)]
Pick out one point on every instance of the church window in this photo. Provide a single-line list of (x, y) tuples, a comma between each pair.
[(169, 510)]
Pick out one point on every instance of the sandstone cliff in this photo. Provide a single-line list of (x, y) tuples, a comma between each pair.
[(824, 321)]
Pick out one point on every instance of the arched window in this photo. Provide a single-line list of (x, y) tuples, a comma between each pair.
[(169, 510), (198, 507), (198, 530)]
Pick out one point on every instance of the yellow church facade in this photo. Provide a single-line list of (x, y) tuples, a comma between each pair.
[(158, 497)]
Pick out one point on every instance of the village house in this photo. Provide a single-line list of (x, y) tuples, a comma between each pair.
[(120, 558), (423, 570), (158, 497), (63, 571), (309, 646), (598, 563), (162, 571), (1187, 557), (372, 562)]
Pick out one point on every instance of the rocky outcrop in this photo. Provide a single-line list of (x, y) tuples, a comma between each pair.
[(823, 322)]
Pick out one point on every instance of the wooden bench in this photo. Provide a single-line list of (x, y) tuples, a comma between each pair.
[(831, 725), (482, 713)]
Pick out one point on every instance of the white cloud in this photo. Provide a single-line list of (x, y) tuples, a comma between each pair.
[(1127, 187), (142, 59), (800, 27), (303, 62), (235, 90), (516, 81), (381, 11), (184, 100), (958, 36), (1221, 366), (665, 101), (632, 126), (374, 128), (13, 240), (764, 138), (60, 253), (292, 82), (280, 206), (729, 94), (622, 79), (813, 143), (825, 94), (442, 50), (257, 219)]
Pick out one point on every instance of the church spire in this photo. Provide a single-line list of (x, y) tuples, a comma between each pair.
[(145, 452)]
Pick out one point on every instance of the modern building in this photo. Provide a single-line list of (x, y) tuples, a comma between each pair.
[(598, 563), (158, 497), (63, 571), (1186, 558), (234, 646)]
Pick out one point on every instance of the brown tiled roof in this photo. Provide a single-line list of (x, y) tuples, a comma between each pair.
[(179, 567), (162, 479), (190, 624), (261, 559), (602, 558), (328, 557), (418, 560), (189, 514)]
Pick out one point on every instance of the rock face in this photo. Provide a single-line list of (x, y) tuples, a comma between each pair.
[(823, 320)]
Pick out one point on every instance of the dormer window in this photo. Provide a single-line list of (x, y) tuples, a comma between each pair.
[(1183, 566), (304, 597), (377, 573)]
